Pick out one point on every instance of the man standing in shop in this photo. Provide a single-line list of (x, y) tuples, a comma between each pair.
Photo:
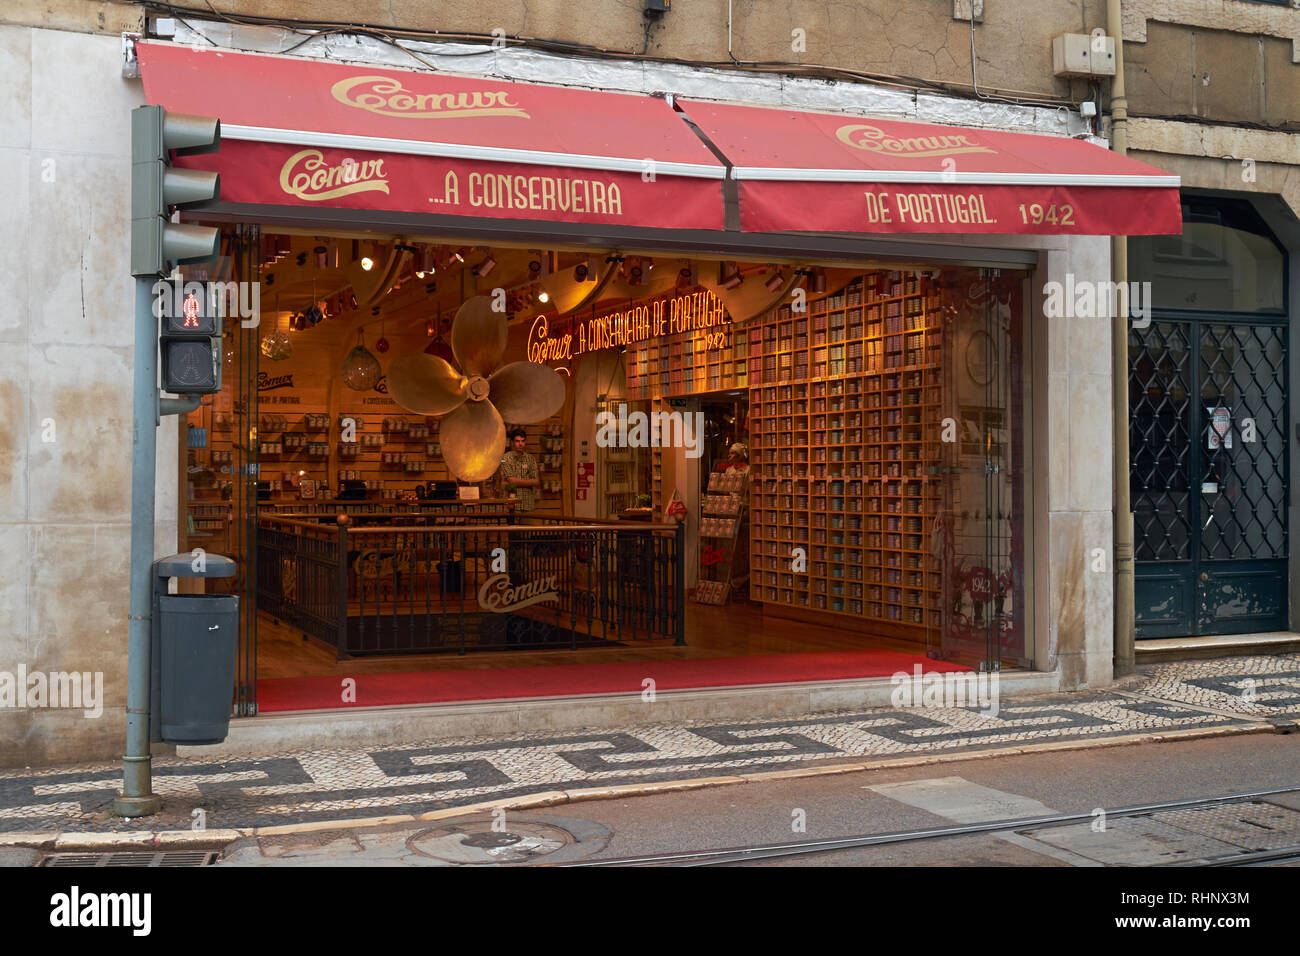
[(519, 472), (520, 476)]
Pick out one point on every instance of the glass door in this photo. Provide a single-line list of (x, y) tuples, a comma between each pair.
[(241, 371), (977, 540)]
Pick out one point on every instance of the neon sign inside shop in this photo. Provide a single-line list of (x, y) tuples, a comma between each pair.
[(660, 318)]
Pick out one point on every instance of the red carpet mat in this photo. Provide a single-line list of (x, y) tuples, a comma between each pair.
[(614, 677)]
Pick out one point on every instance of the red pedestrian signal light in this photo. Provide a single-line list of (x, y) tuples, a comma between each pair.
[(190, 341)]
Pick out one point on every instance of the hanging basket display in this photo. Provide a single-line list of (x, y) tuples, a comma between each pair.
[(277, 346), (361, 369)]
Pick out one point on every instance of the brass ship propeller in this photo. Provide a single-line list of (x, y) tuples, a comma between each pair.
[(479, 402)]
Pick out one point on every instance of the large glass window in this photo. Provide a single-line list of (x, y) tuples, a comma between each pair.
[(1226, 260)]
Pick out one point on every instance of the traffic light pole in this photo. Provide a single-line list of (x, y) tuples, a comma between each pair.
[(137, 798), (157, 245)]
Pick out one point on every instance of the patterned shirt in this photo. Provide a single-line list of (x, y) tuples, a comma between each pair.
[(516, 465)]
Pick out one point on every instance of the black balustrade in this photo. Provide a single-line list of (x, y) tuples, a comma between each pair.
[(560, 583)]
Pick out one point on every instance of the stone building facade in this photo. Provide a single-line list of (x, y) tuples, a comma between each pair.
[(1209, 86)]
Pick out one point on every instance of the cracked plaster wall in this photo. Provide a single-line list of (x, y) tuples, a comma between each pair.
[(1227, 61), (917, 39), (65, 397)]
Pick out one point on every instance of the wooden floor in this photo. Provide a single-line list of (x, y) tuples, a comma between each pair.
[(736, 630)]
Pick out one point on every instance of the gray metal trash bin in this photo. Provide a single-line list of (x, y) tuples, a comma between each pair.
[(195, 638), (198, 635)]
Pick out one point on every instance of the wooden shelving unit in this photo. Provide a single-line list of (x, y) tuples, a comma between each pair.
[(683, 366), (845, 403)]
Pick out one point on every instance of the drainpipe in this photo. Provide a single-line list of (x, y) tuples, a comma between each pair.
[(1124, 600)]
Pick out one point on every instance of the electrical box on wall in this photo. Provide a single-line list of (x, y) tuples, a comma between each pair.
[(1076, 54), (1102, 55)]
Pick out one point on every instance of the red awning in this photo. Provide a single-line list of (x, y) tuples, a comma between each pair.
[(312, 133), (820, 172), (304, 132)]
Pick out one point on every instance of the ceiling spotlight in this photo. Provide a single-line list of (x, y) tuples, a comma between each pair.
[(459, 255), (534, 268), (543, 297), (484, 267), (367, 263), (419, 273), (774, 283), (580, 272), (733, 280)]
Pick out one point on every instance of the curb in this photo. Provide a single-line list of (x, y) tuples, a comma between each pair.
[(217, 839)]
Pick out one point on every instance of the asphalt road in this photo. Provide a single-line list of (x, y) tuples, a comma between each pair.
[(863, 803)]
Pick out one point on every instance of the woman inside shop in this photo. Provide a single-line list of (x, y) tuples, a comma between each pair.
[(737, 459)]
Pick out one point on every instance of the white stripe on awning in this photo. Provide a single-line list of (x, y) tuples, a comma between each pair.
[(495, 154), (774, 174)]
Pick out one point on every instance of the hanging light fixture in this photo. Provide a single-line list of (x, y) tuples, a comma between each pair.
[(439, 347), (428, 262), (276, 345), (361, 370)]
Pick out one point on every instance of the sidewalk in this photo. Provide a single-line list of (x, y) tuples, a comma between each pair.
[(318, 789)]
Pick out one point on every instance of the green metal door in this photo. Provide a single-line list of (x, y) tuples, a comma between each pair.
[(1208, 472)]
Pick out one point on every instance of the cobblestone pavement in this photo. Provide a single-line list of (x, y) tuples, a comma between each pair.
[(338, 784)]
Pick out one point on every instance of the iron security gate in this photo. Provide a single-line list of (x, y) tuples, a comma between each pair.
[(1208, 452)]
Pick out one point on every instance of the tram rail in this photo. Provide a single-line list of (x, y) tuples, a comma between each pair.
[(774, 851)]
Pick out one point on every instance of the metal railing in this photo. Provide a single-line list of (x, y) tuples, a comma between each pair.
[(542, 582)]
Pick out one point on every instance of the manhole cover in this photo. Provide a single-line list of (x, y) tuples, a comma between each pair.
[(515, 841), (487, 840), (533, 839)]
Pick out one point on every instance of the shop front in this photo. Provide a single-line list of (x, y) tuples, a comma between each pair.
[(767, 435)]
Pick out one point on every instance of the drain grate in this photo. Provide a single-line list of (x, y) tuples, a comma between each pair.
[(1252, 826), (164, 858)]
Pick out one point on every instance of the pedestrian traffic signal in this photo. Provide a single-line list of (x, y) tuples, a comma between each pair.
[(190, 342), (157, 244)]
